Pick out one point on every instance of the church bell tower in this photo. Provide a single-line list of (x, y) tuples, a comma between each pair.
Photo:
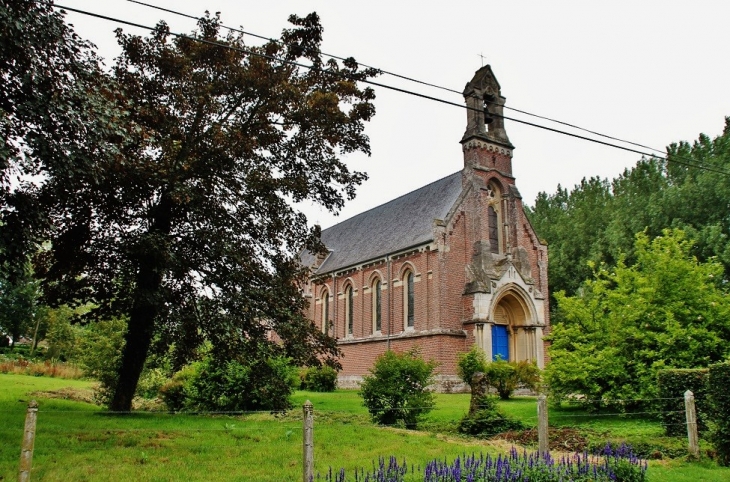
[(485, 142)]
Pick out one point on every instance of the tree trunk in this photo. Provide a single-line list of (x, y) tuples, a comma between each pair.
[(138, 338), (146, 308)]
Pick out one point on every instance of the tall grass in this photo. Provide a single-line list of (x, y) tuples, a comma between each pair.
[(47, 368)]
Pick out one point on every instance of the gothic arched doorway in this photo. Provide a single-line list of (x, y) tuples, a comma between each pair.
[(513, 329)]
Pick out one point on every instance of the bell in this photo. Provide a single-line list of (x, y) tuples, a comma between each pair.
[(488, 98)]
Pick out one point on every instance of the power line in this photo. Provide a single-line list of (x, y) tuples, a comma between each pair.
[(410, 79), (279, 42), (397, 89)]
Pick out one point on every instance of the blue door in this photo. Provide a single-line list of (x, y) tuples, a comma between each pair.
[(500, 342)]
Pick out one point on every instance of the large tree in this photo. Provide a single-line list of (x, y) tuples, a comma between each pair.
[(667, 310), (188, 228)]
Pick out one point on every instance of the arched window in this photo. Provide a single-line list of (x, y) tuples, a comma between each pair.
[(493, 230), (348, 311), (325, 312), (494, 218), (408, 300), (376, 308)]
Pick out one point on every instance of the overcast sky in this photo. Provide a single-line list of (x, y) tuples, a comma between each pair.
[(653, 72)]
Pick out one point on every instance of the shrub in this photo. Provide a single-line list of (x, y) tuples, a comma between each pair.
[(470, 363), (528, 375), (174, 391), (672, 383), (62, 337), (100, 355), (488, 420), (505, 376), (319, 379), (240, 385), (397, 389), (150, 382), (719, 381), (501, 375)]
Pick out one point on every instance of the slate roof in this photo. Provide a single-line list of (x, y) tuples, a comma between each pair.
[(396, 225)]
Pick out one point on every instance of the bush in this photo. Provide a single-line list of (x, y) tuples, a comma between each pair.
[(719, 381), (319, 379), (501, 375), (528, 375), (62, 337), (174, 391), (100, 355), (672, 384), (397, 390), (505, 376), (488, 420), (239, 385), (470, 363), (151, 382)]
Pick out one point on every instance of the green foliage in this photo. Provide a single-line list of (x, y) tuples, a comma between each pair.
[(501, 375), (719, 381), (319, 379), (240, 385), (666, 311), (505, 376), (151, 382), (63, 338), (488, 420), (50, 127), (100, 355), (596, 222), (397, 389), (528, 375), (470, 363), (19, 309), (671, 385), (173, 391)]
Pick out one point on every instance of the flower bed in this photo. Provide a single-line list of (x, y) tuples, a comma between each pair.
[(611, 464)]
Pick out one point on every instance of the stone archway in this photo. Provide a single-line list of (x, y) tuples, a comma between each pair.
[(515, 332)]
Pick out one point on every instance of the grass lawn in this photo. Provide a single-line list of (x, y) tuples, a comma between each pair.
[(77, 441)]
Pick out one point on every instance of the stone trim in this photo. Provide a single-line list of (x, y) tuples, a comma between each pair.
[(476, 143), (404, 335)]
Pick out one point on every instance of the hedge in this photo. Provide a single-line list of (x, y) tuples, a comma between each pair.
[(672, 383), (719, 394)]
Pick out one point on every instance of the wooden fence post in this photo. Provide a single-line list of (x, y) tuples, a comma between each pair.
[(308, 462), (689, 407), (542, 425), (26, 452)]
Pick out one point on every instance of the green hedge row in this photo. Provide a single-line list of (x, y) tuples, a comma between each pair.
[(672, 384), (711, 388), (719, 393)]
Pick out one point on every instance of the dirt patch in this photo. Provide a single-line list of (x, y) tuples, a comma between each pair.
[(562, 439), (76, 394)]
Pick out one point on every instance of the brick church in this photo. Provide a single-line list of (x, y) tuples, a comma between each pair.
[(449, 265)]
